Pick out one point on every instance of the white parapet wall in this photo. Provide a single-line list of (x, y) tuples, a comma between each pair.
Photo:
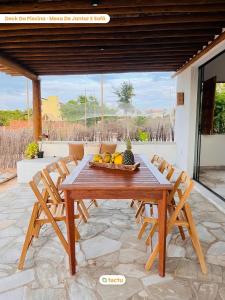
[(164, 149), (213, 150)]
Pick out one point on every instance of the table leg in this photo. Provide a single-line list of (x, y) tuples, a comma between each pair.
[(162, 211), (70, 231)]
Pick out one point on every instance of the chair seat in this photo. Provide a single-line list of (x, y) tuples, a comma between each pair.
[(58, 212)]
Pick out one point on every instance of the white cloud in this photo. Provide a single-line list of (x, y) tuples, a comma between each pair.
[(152, 90)]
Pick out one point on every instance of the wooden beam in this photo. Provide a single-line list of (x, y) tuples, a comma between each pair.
[(216, 41), (112, 36), (123, 49), (76, 59), (111, 71), (70, 56), (130, 10), (99, 69), (37, 120), (104, 43), (97, 62), (128, 21), (14, 65), (20, 7), (124, 29)]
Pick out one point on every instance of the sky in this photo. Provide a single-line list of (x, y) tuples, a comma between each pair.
[(152, 90)]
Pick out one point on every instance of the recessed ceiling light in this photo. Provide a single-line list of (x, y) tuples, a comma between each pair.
[(102, 49), (95, 2)]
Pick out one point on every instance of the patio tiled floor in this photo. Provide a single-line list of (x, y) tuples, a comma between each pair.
[(109, 246)]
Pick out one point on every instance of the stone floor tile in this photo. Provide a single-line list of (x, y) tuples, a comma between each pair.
[(99, 246), (16, 294), (130, 270), (206, 291), (120, 292), (172, 290), (16, 280)]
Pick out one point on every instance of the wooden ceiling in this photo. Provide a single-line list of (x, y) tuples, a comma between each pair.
[(143, 35)]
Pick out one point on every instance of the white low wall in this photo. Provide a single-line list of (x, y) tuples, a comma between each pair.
[(166, 150), (213, 150)]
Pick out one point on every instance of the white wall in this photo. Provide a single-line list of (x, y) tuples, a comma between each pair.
[(166, 150), (185, 121), (213, 150), (214, 69)]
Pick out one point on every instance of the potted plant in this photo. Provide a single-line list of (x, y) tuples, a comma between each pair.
[(31, 150)]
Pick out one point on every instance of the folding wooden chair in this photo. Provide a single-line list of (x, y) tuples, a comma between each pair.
[(179, 215), (77, 151), (157, 161), (53, 176), (110, 148), (44, 212), (66, 163), (166, 169)]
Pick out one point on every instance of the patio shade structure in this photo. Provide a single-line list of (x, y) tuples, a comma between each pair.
[(142, 35)]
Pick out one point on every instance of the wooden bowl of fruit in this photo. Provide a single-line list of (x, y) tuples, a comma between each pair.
[(118, 160)]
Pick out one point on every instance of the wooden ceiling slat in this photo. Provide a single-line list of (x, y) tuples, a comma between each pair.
[(112, 36), (202, 8), (44, 6), (51, 59), (107, 50), (177, 27), (104, 43), (128, 21)]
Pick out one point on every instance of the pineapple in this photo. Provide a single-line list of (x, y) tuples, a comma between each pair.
[(128, 156)]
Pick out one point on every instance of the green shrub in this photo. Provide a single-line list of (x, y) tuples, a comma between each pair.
[(31, 150), (143, 136)]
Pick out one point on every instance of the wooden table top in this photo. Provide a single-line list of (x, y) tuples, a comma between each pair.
[(147, 178)]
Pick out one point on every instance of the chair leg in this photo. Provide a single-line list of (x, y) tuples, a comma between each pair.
[(84, 218), (151, 210), (151, 258), (139, 209), (171, 210), (77, 234), (132, 203), (29, 237), (151, 233), (95, 202), (37, 230), (142, 230), (84, 208), (195, 238)]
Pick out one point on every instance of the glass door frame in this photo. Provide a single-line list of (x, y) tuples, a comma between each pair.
[(197, 156)]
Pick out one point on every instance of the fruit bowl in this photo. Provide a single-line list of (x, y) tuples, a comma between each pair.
[(114, 166)]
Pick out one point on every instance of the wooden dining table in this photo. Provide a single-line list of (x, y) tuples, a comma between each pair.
[(86, 182)]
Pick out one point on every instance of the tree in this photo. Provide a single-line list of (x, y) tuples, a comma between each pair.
[(76, 110), (219, 109), (125, 93), (8, 115)]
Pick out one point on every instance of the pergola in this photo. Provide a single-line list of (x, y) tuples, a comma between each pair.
[(142, 35)]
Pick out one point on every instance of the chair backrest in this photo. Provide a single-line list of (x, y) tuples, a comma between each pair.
[(53, 177), (182, 187), (77, 151), (39, 188), (66, 162), (157, 160), (166, 169), (154, 158), (110, 148)]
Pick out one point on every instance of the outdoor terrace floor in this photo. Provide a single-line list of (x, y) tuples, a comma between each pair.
[(109, 245)]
